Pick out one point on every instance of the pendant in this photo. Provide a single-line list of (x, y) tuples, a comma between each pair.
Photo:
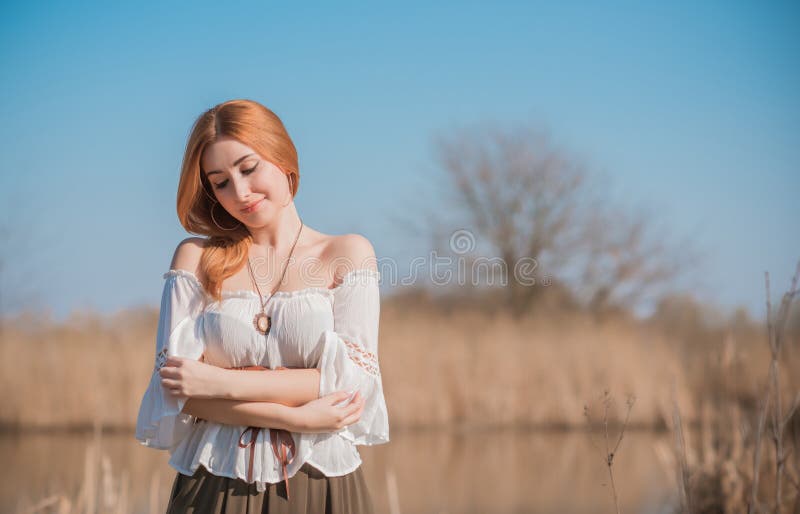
[(263, 323)]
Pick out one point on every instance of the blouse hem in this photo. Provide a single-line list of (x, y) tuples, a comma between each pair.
[(328, 473)]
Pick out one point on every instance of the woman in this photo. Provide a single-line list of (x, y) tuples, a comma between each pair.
[(266, 374)]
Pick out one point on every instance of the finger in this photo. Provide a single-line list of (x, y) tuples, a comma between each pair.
[(359, 408), (347, 400), (169, 384), (353, 407), (353, 418), (168, 372), (360, 400), (338, 396), (174, 361), (357, 397)]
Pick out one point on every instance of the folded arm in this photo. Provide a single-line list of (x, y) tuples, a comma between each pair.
[(244, 413), (326, 414), (291, 387), (195, 379)]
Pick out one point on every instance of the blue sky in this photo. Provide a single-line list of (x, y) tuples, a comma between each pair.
[(691, 110)]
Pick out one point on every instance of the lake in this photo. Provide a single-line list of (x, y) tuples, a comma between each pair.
[(425, 471)]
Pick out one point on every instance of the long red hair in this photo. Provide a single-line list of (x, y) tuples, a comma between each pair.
[(254, 125)]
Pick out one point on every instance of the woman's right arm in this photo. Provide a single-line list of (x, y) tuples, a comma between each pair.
[(234, 412), (320, 415)]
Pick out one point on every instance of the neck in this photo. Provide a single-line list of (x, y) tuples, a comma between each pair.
[(279, 235)]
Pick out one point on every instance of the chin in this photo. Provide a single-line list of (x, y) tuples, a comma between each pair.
[(262, 220)]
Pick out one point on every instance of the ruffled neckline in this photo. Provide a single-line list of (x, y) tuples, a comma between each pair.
[(244, 293)]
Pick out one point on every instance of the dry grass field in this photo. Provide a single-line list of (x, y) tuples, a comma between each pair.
[(462, 367)]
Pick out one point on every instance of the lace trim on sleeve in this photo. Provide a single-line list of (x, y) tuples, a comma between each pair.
[(161, 360), (366, 360)]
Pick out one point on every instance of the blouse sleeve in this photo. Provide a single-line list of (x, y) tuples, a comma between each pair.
[(160, 423), (350, 355)]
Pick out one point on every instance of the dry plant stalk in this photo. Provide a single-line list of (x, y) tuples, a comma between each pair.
[(772, 397), (721, 480), (680, 451), (609, 452)]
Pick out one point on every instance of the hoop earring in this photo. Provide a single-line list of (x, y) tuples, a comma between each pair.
[(215, 221)]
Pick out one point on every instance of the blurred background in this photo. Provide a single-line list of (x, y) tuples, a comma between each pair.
[(573, 206)]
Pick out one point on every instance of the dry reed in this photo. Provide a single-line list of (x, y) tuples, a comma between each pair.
[(102, 491), (725, 470), (608, 452), (476, 370)]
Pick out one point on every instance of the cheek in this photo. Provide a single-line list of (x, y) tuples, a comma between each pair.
[(269, 188), (227, 200)]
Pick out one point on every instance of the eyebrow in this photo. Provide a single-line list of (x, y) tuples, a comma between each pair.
[(235, 163)]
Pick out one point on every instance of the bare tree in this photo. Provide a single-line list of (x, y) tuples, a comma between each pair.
[(531, 203), (626, 258), (521, 198)]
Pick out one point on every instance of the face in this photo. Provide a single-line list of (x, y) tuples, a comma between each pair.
[(249, 187)]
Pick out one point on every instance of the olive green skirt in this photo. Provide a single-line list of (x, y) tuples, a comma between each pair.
[(311, 492)]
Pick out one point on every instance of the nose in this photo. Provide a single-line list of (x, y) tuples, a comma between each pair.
[(241, 189)]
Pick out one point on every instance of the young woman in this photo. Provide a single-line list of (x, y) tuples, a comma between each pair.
[(266, 372)]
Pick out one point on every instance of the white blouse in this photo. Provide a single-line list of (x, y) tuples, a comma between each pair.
[(334, 330)]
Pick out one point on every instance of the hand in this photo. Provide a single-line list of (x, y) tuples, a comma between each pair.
[(188, 378), (323, 415)]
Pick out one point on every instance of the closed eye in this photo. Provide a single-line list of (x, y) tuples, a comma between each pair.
[(244, 172)]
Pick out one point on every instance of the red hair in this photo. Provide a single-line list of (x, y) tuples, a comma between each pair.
[(254, 125)]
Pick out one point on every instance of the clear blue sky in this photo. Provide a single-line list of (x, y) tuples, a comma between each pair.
[(691, 109)]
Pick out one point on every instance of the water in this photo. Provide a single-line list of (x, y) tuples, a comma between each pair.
[(420, 472)]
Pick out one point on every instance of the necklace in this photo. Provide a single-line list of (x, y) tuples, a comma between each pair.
[(262, 322)]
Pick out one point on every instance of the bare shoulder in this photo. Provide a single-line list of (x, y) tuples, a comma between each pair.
[(187, 254), (348, 252)]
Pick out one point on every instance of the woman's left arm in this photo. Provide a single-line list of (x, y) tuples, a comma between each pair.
[(195, 379)]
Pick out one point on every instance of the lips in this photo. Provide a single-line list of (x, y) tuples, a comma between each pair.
[(252, 207)]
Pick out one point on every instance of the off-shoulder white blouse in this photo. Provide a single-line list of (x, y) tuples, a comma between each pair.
[(335, 330)]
